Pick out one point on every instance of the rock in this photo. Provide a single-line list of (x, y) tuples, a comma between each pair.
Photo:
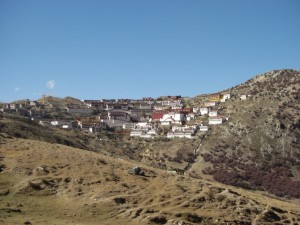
[(120, 201), (27, 223), (11, 210), (158, 220), (270, 216), (2, 167), (67, 180), (41, 170), (4, 192), (278, 210), (136, 171), (35, 185)]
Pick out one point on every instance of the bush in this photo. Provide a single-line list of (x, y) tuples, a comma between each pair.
[(159, 220)]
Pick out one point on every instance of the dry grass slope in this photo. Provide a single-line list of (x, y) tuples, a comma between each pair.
[(44, 183)]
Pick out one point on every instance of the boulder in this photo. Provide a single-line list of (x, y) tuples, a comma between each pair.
[(136, 171)]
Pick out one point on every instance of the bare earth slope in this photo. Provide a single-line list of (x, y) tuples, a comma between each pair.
[(43, 183)]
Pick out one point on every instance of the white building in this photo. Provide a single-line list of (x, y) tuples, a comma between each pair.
[(196, 109), (213, 113), (210, 104), (165, 123), (215, 120), (34, 103), (118, 116), (204, 111), (145, 106), (176, 107), (143, 133), (172, 103), (128, 126), (62, 123), (152, 132), (143, 126), (190, 116), (225, 97), (179, 134), (182, 132), (42, 121), (172, 117), (243, 97), (203, 128), (136, 133)]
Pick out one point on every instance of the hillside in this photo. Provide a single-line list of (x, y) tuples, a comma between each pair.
[(26, 128), (56, 102), (43, 183), (259, 146)]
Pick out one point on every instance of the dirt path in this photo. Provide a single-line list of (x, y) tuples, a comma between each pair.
[(196, 154)]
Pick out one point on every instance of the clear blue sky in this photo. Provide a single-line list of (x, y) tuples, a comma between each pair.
[(93, 49)]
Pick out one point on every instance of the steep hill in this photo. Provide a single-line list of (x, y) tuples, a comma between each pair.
[(259, 146), (43, 183)]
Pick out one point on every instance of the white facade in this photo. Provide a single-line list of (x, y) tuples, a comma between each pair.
[(203, 128), (172, 117), (136, 133), (44, 122), (61, 123), (176, 107), (165, 123), (243, 97), (145, 106), (67, 126), (142, 126), (179, 134), (204, 111), (13, 106), (128, 126), (152, 132), (143, 133), (225, 97), (196, 109), (34, 103), (182, 132), (118, 116), (210, 104), (190, 116), (213, 113), (215, 120), (172, 103)]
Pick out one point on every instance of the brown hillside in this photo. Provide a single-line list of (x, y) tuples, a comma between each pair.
[(259, 146), (43, 183)]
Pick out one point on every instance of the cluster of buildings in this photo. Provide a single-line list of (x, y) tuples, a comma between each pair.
[(143, 118)]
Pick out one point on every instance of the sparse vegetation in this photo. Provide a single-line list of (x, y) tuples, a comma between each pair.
[(257, 149)]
